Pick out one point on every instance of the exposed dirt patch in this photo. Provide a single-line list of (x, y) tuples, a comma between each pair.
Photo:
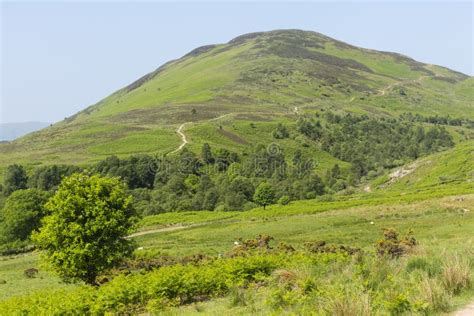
[(252, 117), (233, 137), (466, 311), (402, 172)]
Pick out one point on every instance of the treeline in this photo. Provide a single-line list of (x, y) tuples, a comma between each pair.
[(439, 120), (372, 145), (215, 180), (219, 179)]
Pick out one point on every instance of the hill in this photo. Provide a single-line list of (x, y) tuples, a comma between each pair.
[(262, 78), (365, 160)]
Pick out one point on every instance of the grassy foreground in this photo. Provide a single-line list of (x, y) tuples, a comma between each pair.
[(195, 270)]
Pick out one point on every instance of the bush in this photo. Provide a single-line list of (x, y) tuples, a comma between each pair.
[(239, 297), (30, 273), (284, 200), (392, 246), (127, 294)]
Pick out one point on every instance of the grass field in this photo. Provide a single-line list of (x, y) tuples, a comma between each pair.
[(439, 223)]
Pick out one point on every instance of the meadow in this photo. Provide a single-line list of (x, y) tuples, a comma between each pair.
[(441, 225)]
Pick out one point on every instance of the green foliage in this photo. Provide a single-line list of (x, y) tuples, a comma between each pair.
[(49, 177), (90, 216), (264, 194), (21, 215), (281, 132), (206, 154), (300, 281), (136, 171), (284, 200), (164, 287), (15, 179), (370, 143), (423, 264), (393, 247)]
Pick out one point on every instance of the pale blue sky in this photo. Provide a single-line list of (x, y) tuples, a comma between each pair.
[(58, 58)]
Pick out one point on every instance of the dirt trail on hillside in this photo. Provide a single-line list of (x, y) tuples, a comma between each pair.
[(164, 229), (184, 140), (466, 311), (392, 85)]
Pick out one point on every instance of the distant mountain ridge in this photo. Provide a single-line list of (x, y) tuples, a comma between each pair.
[(11, 131)]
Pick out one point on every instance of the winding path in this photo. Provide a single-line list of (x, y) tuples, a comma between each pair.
[(165, 229), (466, 311), (184, 140), (398, 83)]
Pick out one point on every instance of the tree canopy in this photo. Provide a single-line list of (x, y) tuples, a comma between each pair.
[(264, 194), (21, 215), (90, 216)]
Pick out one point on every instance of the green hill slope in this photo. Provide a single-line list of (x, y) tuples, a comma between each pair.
[(262, 78), (452, 168)]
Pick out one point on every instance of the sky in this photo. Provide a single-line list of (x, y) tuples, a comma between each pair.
[(60, 57)]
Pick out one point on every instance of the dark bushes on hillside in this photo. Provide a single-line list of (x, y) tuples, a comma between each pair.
[(370, 144)]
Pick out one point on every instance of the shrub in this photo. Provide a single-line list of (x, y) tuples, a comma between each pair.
[(392, 246), (30, 273), (239, 297), (284, 200), (398, 305), (322, 247)]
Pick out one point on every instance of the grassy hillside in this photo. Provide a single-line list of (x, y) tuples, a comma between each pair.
[(453, 167), (391, 143), (439, 213), (262, 78)]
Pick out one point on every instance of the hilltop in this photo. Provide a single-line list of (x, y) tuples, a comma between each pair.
[(262, 78)]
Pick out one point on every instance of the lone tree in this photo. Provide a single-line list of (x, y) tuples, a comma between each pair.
[(264, 194), (206, 154), (90, 216)]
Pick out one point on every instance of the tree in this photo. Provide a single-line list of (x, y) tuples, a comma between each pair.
[(15, 179), (22, 214), (49, 177), (84, 235), (264, 194), (280, 132), (206, 154)]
